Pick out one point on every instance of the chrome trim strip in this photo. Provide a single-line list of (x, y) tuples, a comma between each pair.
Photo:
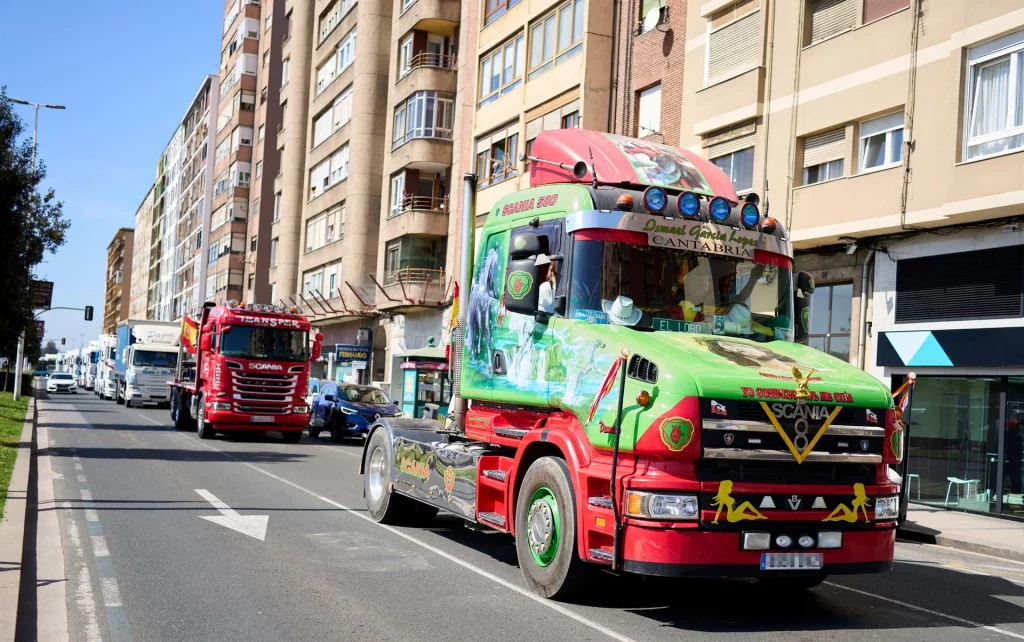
[(745, 425), (779, 455)]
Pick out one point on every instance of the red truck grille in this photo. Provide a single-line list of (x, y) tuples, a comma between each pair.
[(265, 394)]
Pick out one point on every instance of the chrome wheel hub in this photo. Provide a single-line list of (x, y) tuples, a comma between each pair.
[(541, 529), (376, 474)]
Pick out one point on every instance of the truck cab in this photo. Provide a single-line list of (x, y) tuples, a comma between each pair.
[(636, 392), (106, 383)]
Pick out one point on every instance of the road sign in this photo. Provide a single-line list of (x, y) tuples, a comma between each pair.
[(42, 294)]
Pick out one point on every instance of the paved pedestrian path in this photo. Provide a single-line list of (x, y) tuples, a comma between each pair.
[(965, 531)]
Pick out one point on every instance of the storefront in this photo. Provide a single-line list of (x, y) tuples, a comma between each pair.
[(956, 320), (426, 383), (351, 363)]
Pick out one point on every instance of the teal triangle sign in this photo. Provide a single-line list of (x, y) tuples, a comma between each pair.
[(906, 344), (930, 354)]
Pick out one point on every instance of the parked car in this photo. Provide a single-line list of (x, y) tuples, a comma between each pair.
[(348, 410), (61, 382)]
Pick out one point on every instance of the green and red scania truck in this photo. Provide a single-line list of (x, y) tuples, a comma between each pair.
[(633, 389)]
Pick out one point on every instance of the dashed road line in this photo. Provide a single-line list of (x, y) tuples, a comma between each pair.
[(78, 466), (111, 594), (86, 495), (82, 479)]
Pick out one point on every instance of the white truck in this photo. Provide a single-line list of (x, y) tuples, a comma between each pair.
[(106, 384), (90, 361), (147, 354)]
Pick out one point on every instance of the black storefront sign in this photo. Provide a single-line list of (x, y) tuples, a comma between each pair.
[(968, 348)]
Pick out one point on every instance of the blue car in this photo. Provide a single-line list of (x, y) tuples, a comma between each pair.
[(348, 410)]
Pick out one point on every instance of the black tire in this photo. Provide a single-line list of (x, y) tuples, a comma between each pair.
[(118, 399), (791, 584), (292, 437), (383, 504), (314, 431), (564, 574), (336, 435), (203, 427)]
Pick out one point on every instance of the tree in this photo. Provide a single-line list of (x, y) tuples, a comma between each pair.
[(31, 224), (51, 348)]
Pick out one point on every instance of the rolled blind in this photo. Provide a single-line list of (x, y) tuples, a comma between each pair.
[(570, 108), (884, 123), (728, 147), (829, 17), (734, 47), (534, 127), (875, 9), (824, 147)]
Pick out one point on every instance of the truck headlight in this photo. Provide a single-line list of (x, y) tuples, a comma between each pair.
[(221, 405), (348, 411), (301, 410), (887, 507), (664, 506)]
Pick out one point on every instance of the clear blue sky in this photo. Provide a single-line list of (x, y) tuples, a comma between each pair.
[(126, 70)]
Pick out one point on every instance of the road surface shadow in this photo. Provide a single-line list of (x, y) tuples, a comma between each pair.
[(108, 505), (174, 454)]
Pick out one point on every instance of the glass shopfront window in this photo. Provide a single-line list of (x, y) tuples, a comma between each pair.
[(959, 426)]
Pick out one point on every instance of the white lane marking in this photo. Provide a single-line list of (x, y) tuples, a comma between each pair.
[(254, 526), (946, 616), (554, 606), (91, 515), (111, 594), (81, 479), (78, 466), (84, 599), (99, 546), (86, 495), (76, 458)]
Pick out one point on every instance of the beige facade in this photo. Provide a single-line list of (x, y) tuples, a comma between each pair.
[(336, 240), (119, 278), (856, 119), (138, 302)]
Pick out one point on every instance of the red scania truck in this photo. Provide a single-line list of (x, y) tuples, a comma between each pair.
[(634, 390), (244, 367)]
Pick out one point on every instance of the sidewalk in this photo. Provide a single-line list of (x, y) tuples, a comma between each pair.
[(975, 533)]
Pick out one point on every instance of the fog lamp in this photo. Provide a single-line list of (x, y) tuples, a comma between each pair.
[(301, 410), (688, 204), (220, 405), (830, 539), (805, 541), (720, 209), (783, 541), (756, 541)]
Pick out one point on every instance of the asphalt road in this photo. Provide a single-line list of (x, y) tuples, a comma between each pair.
[(143, 565)]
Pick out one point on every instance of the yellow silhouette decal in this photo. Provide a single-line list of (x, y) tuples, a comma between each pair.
[(724, 499), (860, 504)]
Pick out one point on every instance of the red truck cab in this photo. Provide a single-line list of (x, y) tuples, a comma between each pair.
[(244, 367)]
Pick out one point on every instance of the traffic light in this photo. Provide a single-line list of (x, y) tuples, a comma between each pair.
[(88, 313), (63, 340)]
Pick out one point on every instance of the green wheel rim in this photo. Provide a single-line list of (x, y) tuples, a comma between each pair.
[(543, 526)]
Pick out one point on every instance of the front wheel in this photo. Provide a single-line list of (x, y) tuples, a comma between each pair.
[(204, 428), (545, 530)]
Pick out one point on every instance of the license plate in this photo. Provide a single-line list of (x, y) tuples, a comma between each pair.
[(790, 561), (259, 419)]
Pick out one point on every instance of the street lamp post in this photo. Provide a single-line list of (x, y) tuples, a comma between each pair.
[(35, 142)]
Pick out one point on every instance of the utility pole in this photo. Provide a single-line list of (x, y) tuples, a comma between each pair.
[(35, 141)]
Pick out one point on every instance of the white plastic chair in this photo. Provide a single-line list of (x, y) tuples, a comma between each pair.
[(960, 482)]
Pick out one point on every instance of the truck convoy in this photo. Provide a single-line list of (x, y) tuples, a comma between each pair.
[(632, 390), (243, 367), (145, 359), (106, 384)]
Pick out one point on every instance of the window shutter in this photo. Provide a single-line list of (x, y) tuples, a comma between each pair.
[(552, 120), (534, 127), (728, 147), (829, 17), (570, 108), (734, 47), (483, 145), (875, 9), (824, 147), (983, 284), (872, 127)]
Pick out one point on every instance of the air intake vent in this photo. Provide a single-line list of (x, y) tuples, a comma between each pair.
[(642, 369), (457, 341)]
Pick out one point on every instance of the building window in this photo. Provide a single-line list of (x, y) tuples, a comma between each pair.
[(646, 7), (284, 71), (733, 44), (324, 228), (398, 194), (410, 258), (262, 131), (881, 142), (875, 9), (823, 156), (405, 56), (277, 206), (496, 156), (831, 307), (331, 119), (256, 207), (266, 58), (337, 62), (501, 71), (649, 111), (562, 118), (332, 16), (831, 17), (995, 97), (252, 244), (494, 9), (425, 114), (273, 252), (556, 37), (259, 169), (328, 172), (571, 120), (252, 280), (347, 51), (739, 167)]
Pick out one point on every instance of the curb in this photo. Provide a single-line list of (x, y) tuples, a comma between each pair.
[(12, 529), (928, 537)]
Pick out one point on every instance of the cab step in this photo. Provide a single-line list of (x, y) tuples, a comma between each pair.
[(492, 518), (601, 554), (601, 502), (498, 475)]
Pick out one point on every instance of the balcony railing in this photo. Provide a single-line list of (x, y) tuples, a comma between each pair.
[(422, 203), (435, 60), (415, 287)]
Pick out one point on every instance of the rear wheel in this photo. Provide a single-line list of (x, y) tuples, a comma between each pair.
[(204, 428), (545, 531), (384, 505), (337, 436)]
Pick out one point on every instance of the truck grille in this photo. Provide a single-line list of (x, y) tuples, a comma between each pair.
[(777, 472), (261, 409), (266, 388), (642, 369)]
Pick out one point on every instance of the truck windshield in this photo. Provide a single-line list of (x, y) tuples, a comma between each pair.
[(263, 343), (678, 291), (151, 359)]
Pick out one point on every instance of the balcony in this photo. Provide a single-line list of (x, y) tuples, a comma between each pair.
[(413, 288), (429, 15), (427, 72), (418, 216)]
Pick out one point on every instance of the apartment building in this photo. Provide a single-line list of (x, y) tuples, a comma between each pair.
[(119, 278), (335, 248), (138, 293), (196, 183), (167, 203), (232, 164), (266, 160), (417, 182), (888, 136)]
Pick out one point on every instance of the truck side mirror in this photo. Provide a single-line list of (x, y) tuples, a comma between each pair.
[(318, 347), (802, 306), (524, 244), (521, 286), (206, 342)]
